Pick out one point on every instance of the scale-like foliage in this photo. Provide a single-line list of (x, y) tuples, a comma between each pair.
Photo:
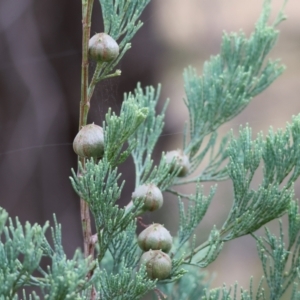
[(118, 129), (190, 286), (225, 293), (121, 18), (21, 251), (98, 185), (121, 21), (229, 81), (126, 285), (252, 208), (198, 205), (281, 154), (20, 254), (279, 272), (147, 135), (124, 248)]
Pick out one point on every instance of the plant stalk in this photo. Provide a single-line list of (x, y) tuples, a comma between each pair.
[(87, 6)]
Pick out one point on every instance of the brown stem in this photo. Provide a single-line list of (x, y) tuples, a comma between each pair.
[(86, 227), (140, 220), (87, 6), (160, 294)]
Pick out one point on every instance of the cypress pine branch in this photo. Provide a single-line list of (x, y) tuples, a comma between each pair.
[(126, 285), (229, 81), (117, 130), (190, 286), (198, 205), (274, 256), (121, 21), (146, 136), (124, 249), (225, 293), (21, 250), (98, 185), (252, 209)]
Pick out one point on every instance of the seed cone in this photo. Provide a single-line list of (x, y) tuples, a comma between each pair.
[(89, 142), (158, 264), (103, 48), (180, 161), (153, 198), (155, 237)]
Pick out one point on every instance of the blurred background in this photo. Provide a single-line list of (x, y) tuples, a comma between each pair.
[(40, 57)]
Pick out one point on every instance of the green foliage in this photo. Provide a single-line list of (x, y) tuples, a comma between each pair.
[(279, 272), (126, 285), (229, 81), (191, 286), (198, 205), (117, 130), (121, 18), (226, 293), (251, 208), (206, 253), (146, 137), (280, 264), (20, 255), (124, 248), (295, 293), (21, 251), (98, 186), (283, 147), (121, 21)]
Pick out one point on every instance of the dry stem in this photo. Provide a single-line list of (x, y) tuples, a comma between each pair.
[(87, 6)]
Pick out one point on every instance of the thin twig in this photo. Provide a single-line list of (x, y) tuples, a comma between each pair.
[(87, 6)]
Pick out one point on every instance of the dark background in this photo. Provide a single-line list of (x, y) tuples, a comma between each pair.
[(40, 60)]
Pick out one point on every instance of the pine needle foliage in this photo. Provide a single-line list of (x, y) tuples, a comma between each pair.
[(229, 82)]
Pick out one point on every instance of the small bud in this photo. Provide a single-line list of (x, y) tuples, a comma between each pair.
[(153, 198), (180, 161), (155, 237), (158, 264), (89, 142), (103, 47)]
